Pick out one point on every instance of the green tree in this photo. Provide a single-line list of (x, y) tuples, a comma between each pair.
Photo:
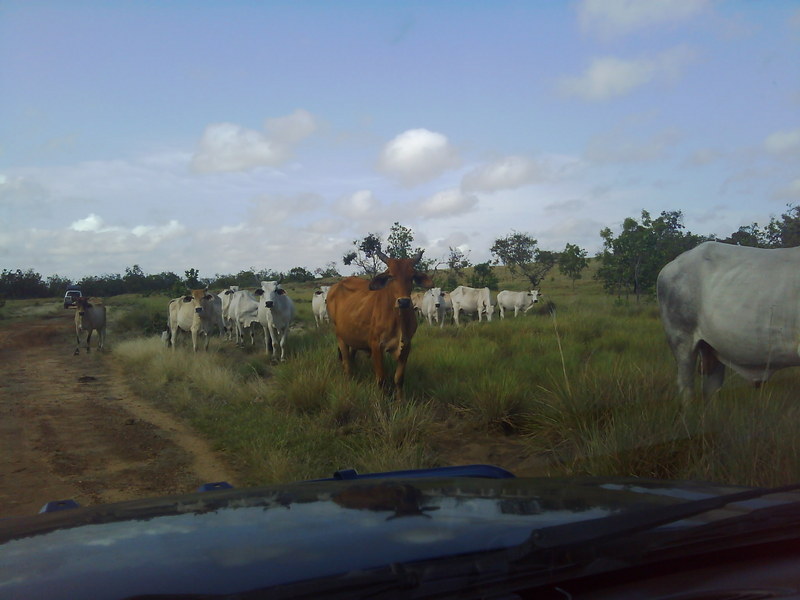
[(365, 254), (192, 279), (457, 262), (521, 254), (135, 279), (630, 262), (299, 274), (330, 270), (572, 261), (483, 276)]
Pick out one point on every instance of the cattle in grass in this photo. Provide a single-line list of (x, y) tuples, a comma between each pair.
[(319, 305), (734, 306), (377, 316), (516, 301), (275, 313), (194, 313), (434, 306), (472, 301), (90, 316)]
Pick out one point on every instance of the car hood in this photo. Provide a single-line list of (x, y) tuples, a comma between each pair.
[(227, 541)]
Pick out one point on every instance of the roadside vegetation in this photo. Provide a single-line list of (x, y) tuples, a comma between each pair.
[(586, 390)]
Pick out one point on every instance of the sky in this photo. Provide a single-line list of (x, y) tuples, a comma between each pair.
[(229, 135)]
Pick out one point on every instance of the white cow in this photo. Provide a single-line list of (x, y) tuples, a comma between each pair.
[(226, 296), (472, 300), (243, 311), (518, 301), (90, 315), (275, 313), (319, 306), (194, 313), (434, 306), (731, 305)]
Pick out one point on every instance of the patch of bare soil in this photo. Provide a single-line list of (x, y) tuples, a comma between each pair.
[(71, 429)]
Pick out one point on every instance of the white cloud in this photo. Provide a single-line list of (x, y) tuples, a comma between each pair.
[(609, 18), (416, 156), (783, 143), (90, 223), (611, 77), (231, 147), (506, 173), (158, 233), (357, 205), (293, 128), (446, 204)]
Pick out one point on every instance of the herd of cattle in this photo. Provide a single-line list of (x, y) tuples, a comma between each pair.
[(727, 305), (377, 316)]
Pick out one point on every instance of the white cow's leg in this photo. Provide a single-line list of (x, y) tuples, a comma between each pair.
[(712, 370)]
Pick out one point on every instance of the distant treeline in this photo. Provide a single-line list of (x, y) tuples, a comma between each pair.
[(18, 284), (629, 261)]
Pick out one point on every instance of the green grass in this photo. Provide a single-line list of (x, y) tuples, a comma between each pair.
[(589, 391)]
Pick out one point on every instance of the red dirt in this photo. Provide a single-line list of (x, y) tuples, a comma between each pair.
[(71, 429)]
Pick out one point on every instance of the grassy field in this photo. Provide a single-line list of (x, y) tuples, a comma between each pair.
[(588, 390)]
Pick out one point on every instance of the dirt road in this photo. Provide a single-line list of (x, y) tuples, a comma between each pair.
[(71, 429)]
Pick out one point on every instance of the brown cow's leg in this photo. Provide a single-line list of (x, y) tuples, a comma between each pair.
[(377, 364), (346, 356), (400, 372)]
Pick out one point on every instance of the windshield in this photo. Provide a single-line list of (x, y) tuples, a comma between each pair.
[(558, 238)]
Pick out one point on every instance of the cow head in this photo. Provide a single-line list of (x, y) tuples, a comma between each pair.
[(400, 276), (82, 304), (199, 298), (438, 296), (270, 290), (534, 296)]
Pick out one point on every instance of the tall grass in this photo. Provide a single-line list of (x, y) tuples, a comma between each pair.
[(588, 391)]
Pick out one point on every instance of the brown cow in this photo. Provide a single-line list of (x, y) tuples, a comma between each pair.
[(377, 316)]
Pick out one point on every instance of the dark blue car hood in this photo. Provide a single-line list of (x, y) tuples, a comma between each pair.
[(234, 540)]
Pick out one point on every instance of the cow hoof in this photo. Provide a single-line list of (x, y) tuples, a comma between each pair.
[(77, 352)]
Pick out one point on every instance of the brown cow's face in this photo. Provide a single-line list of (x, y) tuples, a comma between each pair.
[(401, 275)]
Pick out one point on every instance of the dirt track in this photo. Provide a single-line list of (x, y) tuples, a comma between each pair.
[(71, 429)]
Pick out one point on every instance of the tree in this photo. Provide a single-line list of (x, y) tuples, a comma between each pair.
[(483, 276), (192, 279), (750, 235), (457, 261), (631, 261), (330, 270), (134, 279), (365, 254), (520, 253), (299, 274), (572, 261)]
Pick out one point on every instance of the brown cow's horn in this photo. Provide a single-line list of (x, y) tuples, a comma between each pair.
[(418, 256), (382, 256)]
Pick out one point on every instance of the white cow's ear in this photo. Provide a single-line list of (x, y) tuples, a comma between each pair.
[(281, 291), (187, 298), (259, 292)]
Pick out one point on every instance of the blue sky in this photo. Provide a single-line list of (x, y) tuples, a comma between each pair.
[(227, 135)]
